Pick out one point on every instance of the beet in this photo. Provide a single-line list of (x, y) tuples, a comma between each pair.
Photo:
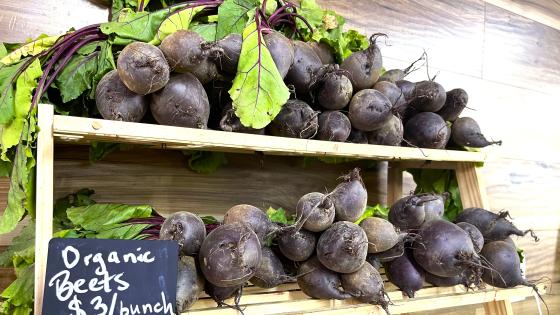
[(369, 110), (364, 67), (297, 245), (230, 255), (270, 271), (428, 96), (493, 226), (350, 197), (186, 51), (381, 234), (408, 213), (391, 133), (407, 88), (503, 265), (475, 235), (343, 247), (319, 282), (189, 283), (295, 120), (314, 212), (333, 90), (357, 136), (231, 50), (116, 102), (254, 217), (142, 68), (366, 285), (434, 206), (333, 126), (426, 130), (443, 281), (282, 51), (466, 132), (446, 250), (393, 93), (182, 102), (220, 294), (185, 228), (323, 51), (405, 273), (306, 65), (393, 252), (455, 101)]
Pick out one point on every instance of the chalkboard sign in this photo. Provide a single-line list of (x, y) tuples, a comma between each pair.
[(110, 277)]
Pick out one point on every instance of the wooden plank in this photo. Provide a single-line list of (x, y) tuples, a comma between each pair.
[(162, 179), (87, 129), (503, 307), (545, 12), (471, 186), (44, 200), (450, 31), (520, 52)]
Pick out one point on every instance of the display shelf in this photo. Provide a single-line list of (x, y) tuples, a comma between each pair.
[(286, 298)]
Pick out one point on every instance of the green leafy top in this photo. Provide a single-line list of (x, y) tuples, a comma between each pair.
[(258, 91), (375, 211), (328, 28), (233, 16), (279, 216)]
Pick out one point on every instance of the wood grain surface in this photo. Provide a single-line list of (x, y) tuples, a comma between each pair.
[(505, 55)]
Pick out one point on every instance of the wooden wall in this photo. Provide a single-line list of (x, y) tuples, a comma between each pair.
[(503, 52)]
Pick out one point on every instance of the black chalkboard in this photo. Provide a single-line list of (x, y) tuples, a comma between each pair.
[(110, 277)]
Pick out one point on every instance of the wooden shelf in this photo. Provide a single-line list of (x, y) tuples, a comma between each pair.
[(84, 130), (288, 298)]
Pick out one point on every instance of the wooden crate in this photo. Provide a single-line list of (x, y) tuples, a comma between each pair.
[(286, 298)]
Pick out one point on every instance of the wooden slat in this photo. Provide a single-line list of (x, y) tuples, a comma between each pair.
[(44, 200), (503, 307), (87, 129), (471, 186), (546, 12)]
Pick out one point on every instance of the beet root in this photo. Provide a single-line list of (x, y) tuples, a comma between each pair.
[(392, 253), (381, 234), (185, 228), (391, 91), (319, 282), (408, 213), (444, 281), (231, 50), (296, 120), (466, 132), (189, 283), (343, 247), (493, 226), (305, 67), (358, 136), (314, 212), (474, 234), (116, 102), (434, 206), (282, 51), (426, 130), (446, 250), (323, 51), (297, 245), (333, 90), (254, 217), (455, 101), (333, 126), (366, 285), (391, 133), (405, 273), (220, 294), (230, 255), (364, 67), (142, 68), (270, 271), (182, 102), (428, 96), (369, 110), (186, 51), (503, 264), (350, 197)]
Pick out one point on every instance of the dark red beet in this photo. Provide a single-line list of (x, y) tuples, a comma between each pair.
[(142, 68), (116, 102), (369, 110), (306, 65), (493, 226), (333, 126), (426, 130), (428, 96), (295, 120), (455, 102), (319, 282), (405, 274)]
